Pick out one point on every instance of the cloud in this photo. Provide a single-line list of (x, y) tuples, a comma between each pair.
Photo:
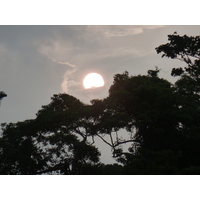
[(153, 26), (121, 31), (59, 52), (94, 48), (120, 52), (67, 63), (68, 81)]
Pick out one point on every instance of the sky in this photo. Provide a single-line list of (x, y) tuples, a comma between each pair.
[(39, 61)]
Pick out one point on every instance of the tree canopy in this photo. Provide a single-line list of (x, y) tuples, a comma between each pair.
[(158, 121)]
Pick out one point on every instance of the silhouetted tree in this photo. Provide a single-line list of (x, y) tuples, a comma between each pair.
[(146, 105), (184, 48), (187, 87), (52, 143)]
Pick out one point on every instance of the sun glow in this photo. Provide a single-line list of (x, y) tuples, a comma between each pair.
[(93, 80)]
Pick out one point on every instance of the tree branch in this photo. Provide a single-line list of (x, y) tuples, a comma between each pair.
[(104, 140), (81, 134), (111, 139), (123, 142)]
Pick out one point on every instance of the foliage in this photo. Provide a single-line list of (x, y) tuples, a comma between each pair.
[(50, 143), (184, 48), (150, 105)]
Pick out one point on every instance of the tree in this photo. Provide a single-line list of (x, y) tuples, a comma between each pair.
[(186, 49), (148, 105), (52, 143), (165, 117), (183, 48), (187, 87), (18, 152)]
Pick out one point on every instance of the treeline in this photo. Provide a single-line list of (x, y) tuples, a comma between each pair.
[(161, 119)]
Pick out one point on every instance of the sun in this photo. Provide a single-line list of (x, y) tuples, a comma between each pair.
[(93, 80)]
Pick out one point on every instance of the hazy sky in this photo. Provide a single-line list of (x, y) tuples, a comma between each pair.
[(39, 61)]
